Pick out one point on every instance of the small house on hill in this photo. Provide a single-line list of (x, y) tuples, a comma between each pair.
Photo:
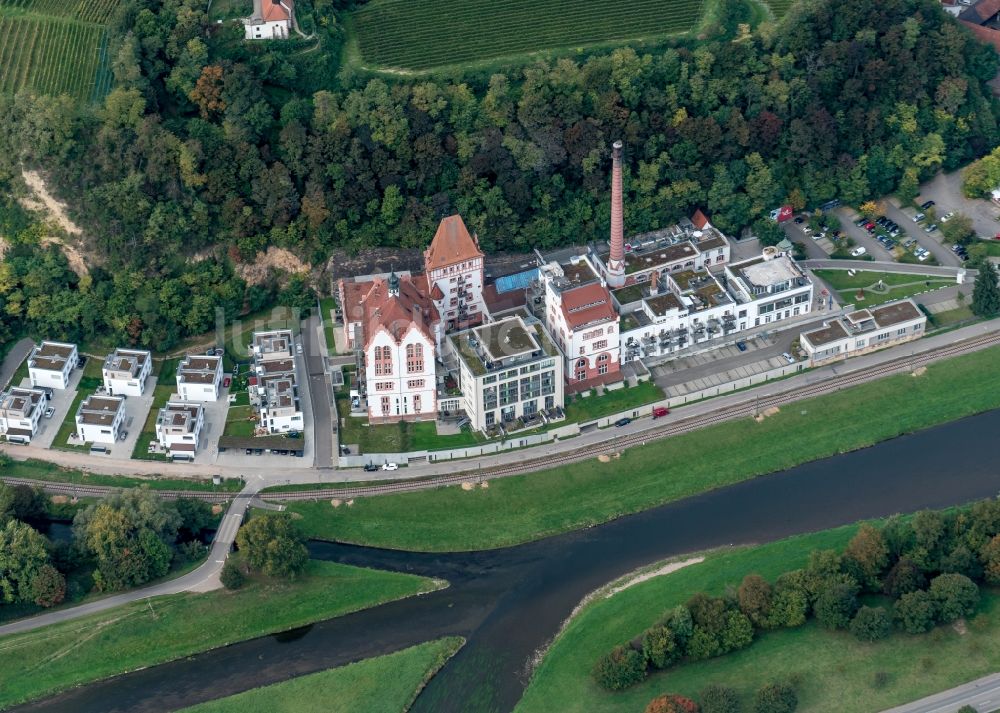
[(271, 20)]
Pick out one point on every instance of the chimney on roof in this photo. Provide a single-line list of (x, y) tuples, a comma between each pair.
[(616, 260)]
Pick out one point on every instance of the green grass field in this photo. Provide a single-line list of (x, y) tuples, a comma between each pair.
[(424, 34), (587, 409), (141, 634), (385, 684), (834, 673), (527, 507), (55, 47)]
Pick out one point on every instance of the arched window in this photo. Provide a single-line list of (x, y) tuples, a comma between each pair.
[(603, 357), (582, 363), (383, 361)]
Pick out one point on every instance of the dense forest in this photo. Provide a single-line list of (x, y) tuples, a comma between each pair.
[(207, 143)]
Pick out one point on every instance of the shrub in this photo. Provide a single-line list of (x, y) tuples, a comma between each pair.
[(915, 612), (672, 703), (191, 551), (871, 624), (738, 632), (754, 599), (621, 668), (273, 545), (775, 698), (955, 596), (232, 576), (836, 604), (660, 646), (790, 600), (719, 699), (48, 587), (903, 578)]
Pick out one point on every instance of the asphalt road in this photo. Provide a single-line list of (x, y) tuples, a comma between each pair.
[(14, 357), (983, 694), (319, 393)]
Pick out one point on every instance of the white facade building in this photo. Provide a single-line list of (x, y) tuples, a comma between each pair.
[(99, 418), (178, 428), (20, 412), (863, 331), (51, 363), (125, 372), (271, 20), (509, 371), (199, 378), (454, 270), (273, 387)]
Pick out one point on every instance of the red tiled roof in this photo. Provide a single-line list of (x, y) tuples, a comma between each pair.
[(699, 220), (586, 305), (452, 244), (437, 294), (276, 10), (986, 9), (397, 313), (985, 34)]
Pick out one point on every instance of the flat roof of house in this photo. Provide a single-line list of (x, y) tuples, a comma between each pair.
[(51, 356), (661, 304), (896, 312), (275, 341), (832, 332), (127, 360), (770, 272), (278, 366), (198, 369), (20, 401), (99, 410), (506, 338), (180, 415)]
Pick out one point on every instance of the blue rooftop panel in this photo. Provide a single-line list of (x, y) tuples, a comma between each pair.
[(517, 281)]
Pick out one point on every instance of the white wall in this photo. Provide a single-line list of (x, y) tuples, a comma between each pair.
[(396, 384)]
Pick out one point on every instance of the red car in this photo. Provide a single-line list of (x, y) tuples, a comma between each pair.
[(225, 382), (660, 411)]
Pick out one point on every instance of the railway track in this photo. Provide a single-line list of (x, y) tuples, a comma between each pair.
[(749, 407)]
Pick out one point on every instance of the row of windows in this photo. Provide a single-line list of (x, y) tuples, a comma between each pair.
[(387, 401)]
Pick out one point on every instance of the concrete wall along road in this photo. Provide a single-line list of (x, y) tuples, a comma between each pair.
[(569, 430)]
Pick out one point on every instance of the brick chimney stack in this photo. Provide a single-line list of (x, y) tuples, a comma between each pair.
[(616, 261)]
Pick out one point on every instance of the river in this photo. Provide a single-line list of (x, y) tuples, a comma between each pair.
[(509, 603)]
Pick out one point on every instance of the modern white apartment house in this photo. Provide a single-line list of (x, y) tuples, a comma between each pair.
[(99, 418), (125, 372), (454, 270), (178, 428), (199, 378), (51, 363), (863, 331), (509, 371), (273, 386), (20, 412), (676, 310)]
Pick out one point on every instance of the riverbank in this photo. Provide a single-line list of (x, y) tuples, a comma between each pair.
[(528, 507), (144, 633), (833, 672), (385, 684)]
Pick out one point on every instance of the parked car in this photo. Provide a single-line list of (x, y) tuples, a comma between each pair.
[(345, 450), (788, 357), (659, 411), (623, 422), (742, 346), (50, 412), (122, 435), (947, 216), (371, 468), (926, 204), (858, 251), (930, 228), (249, 451), (799, 220), (918, 217), (390, 466), (298, 348)]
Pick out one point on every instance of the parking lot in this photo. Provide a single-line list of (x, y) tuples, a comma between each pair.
[(215, 422), (136, 410), (933, 241), (945, 190)]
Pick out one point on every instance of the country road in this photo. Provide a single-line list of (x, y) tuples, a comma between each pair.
[(983, 694)]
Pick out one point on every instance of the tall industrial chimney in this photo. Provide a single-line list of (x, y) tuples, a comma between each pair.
[(616, 261)]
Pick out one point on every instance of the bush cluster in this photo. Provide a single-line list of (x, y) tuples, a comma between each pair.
[(929, 566)]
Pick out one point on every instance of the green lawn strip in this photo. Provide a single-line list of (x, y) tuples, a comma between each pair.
[(840, 280), (141, 634), (527, 507), (239, 422), (952, 316), (385, 684), (871, 299), (42, 471), (325, 306), (592, 407), (399, 437), (61, 441), (20, 374), (832, 671)]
